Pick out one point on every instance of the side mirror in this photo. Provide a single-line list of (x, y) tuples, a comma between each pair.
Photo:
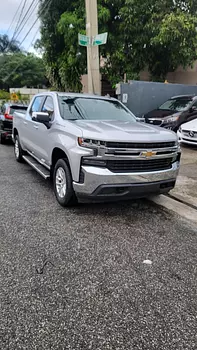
[(193, 109), (140, 120), (41, 117)]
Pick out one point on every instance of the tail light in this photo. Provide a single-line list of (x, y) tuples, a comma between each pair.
[(7, 115)]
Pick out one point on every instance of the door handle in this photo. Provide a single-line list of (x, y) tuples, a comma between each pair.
[(25, 123), (36, 127)]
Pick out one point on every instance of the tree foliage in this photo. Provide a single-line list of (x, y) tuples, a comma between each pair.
[(158, 34), (7, 45), (19, 70), (162, 34)]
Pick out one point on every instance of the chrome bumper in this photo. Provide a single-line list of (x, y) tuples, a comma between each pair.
[(95, 177)]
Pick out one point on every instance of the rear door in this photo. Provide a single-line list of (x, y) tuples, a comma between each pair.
[(29, 126)]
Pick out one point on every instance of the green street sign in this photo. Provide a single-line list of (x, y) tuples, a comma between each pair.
[(100, 39), (84, 40)]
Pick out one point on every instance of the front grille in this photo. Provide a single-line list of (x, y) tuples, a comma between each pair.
[(139, 165), (140, 145), (190, 140), (187, 133)]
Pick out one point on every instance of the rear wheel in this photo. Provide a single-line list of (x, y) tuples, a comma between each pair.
[(18, 150), (62, 182)]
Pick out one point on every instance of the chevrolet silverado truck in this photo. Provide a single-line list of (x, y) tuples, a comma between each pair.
[(94, 148)]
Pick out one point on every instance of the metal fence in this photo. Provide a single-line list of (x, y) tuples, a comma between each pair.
[(141, 97)]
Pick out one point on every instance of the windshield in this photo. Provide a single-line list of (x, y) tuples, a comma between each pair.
[(176, 105), (93, 109)]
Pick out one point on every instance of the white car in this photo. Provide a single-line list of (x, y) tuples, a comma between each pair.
[(187, 133)]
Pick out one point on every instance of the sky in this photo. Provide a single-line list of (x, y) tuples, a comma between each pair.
[(8, 9)]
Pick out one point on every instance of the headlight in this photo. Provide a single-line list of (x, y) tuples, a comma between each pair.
[(180, 130), (172, 119), (90, 143)]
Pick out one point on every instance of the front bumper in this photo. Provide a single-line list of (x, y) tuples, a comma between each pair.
[(187, 140), (102, 184)]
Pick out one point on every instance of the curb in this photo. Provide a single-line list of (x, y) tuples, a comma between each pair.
[(179, 208)]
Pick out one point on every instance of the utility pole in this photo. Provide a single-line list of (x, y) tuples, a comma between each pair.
[(93, 60)]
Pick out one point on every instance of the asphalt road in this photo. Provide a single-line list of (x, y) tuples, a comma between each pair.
[(76, 278)]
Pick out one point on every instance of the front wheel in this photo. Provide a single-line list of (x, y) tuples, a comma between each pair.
[(62, 182), (18, 150)]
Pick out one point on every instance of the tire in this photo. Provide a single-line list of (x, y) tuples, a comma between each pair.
[(62, 183), (18, 150)]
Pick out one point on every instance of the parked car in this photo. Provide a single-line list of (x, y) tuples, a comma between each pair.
[(6, 116), (187, 133), (94, 148), (174, 112)]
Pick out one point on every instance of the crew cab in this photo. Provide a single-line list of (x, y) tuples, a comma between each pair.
[(94, 148)]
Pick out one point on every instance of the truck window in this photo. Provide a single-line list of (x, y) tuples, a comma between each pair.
[(36, 104), (48, 106)]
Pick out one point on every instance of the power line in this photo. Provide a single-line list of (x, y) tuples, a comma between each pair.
[(15, 35), (28, 31), (15, 15), (26, 14), (18, 22), (26, 21), (46, 5), (34, 37), (14, 70)]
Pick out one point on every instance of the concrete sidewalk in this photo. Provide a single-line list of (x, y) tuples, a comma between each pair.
[(186, 187)]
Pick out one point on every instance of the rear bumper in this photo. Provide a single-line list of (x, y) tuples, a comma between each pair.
[(6, 129), (102, 184), (7, 134)]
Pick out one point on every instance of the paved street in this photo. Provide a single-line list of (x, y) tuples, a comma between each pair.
[(76, 278)]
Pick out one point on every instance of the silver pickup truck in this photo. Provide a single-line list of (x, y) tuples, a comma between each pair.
[(94, 148)]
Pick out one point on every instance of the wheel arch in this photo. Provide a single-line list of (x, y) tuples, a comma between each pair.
[(57, 154), (15, 132)]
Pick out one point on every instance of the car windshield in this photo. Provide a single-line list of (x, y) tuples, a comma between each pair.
[(93, 109), (178, 105)]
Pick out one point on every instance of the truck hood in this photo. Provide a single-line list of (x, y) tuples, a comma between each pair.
[(124, 131)]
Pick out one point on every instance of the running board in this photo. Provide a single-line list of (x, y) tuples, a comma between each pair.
[(38, 167)]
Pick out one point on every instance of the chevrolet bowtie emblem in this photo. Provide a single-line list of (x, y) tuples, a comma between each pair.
[(148, 154)]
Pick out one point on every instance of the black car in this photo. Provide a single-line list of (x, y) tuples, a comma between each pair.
[(174, 112), (6, 116)]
